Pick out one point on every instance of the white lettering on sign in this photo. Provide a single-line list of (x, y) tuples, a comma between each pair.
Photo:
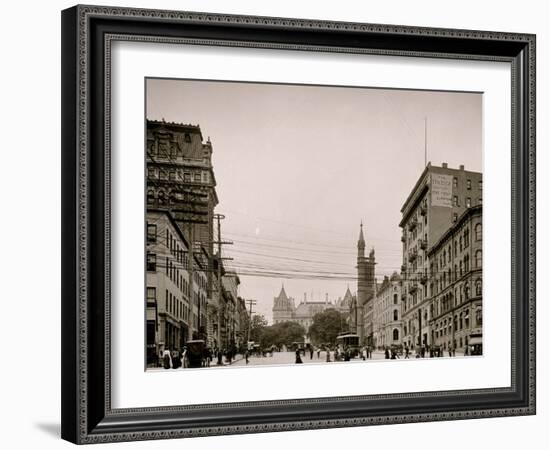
[(442, 190)]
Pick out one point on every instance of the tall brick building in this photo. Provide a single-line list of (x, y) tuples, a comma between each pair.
[(437, 201)]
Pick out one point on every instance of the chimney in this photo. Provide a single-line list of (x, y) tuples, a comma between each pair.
[(444, 165), (461, 167)]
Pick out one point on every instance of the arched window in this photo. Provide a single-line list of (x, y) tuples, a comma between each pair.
[(396, 334), (478, 259), (478, 288), (467, 291), (395, 315), (478, 231), (466, 263), (395, 299)]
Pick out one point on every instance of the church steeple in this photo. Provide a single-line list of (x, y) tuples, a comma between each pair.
[(361, 243)]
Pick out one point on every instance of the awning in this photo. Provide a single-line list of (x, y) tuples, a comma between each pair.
[(475, 341)]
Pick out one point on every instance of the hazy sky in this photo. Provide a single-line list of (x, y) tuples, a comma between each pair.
[(298, 167)]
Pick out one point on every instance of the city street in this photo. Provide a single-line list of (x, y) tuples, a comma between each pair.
[(285, 358), (289, 358)]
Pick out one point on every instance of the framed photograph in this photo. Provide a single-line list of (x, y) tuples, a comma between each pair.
[(280, 224)]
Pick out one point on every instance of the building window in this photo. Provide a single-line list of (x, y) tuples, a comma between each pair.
[(187, 137), (455, 217), (395, 314), (395, 299), (478, 259), (455, 182), (150, 197), (197, 178), (478, 230), (151, 233), (480, 201), (468, 202), (478, 288), (396, 335), (468, 184), (162, 198), (455, 200), (480, 185), (172, 175), (151, 172), (151, 294), (151, 262)]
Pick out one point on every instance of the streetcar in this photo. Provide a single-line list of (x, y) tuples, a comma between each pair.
[(349, 341)]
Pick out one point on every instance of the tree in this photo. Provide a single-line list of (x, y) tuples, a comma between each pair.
[(326, 326), (282, 333), (258, 323)]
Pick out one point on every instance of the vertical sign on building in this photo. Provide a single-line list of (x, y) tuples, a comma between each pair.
[(442, 190)]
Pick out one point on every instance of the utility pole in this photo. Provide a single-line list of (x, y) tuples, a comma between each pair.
[(250, 303), (219, 242)]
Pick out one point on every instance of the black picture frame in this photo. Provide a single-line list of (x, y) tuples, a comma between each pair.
[(87, 32)]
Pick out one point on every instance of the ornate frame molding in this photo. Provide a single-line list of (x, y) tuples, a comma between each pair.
[(88, 32)]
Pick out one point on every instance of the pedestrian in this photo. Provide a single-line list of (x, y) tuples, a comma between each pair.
[(175, 360), (311, 353), (318, 353), (364, 353), (246, 356), (209, 355), (406, 352), (328, 355), (166, 359), (387, 354), (450, 352), (298, 358), (184, 358)]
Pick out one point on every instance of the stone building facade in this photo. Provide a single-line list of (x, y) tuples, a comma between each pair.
[(181, 188), (456, 307), (173, 303), (286, 310), (387, 314), (361, 310), (440, 196)]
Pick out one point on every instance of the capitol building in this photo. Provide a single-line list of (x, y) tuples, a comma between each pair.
[(285, 309)]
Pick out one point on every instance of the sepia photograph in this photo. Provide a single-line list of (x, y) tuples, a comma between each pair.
[(296, 224)]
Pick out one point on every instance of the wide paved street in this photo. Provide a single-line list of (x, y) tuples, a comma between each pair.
[(283, 358)]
